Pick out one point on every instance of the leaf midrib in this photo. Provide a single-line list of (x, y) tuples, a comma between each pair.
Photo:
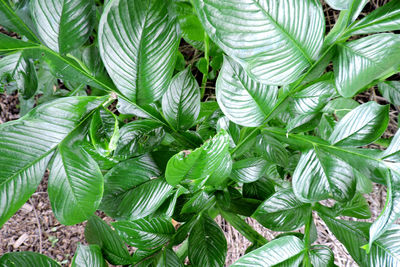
[(281, 29)]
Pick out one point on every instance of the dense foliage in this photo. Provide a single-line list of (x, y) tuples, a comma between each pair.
[(283, 135)]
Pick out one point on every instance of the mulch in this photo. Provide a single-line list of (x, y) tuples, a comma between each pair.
[(34, 227)]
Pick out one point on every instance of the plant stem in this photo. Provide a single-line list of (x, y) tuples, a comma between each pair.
[(307, 260), (246, 230), (207, 57)]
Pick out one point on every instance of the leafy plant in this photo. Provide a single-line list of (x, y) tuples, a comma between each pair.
[(283, 136)]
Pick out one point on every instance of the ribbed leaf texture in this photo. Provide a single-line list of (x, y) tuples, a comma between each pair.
[(26, 146), (275, 41), (63, 25), (88, 256), (26, 259), (138, 42), (243, 100)]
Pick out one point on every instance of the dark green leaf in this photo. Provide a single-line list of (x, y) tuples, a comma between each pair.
[(137, 41), (88, 256), (168, 258), (248, 170), (63, 25), (239, 30), (362, 61), (391, 91), (26, 146), (181, 101), (358, 207), (284, 251), (361, 126), (272, 150), (98, 232), (243, 101), (145, 233), (104, 131), (321, 256), (26, 259), (207, 244), (282, 212), (320, 176), (260, 189)]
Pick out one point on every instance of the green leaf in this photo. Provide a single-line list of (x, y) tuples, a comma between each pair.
[(88, 256), (282, 212), (340, 4), (260, 189), (104, 131), (63, 25), (385, 18), (145, 233), (98, 232), (75, 183), (11, 21), (137, 41), (361, 126), (386, 250), (340, 107), (181, 101), (26, 259), (189, 23), (211, 161), (243, 101), (231, 128), (248, 170), (284, 251), (294, 28), (207, 244), (168, 258), (365, 60), (320, 176), (137, 138), (391, 91), (392, 153), (8, 43), (358, 207), (272, 150), (391, 210), (321, 256), (353, 235), (26, 147)]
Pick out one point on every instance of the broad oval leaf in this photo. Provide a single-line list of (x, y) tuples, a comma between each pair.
[(321, 256), (274, 41), (385, 18), (272, 150), (145, 233), (168, 258), (365, 60), (285, 251), (75, 184), (137, 41), (391, 91), (207, 243), (282, 212), (26, 146), (243, 101), (26, 259), (98, 232), (63, 25), (88, 256), (248, 170), (361, 126), (320, 176), (181, 101)]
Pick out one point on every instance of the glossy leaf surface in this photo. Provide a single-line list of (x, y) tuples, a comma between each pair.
[(248, 170), (362, 61), (285, 251), (274, 41), (88, 256), (98, 232), (145, 233), (207, 243), (27, 259), (181, 101), (361, 126), (391, 91), (63, 25), (320, 176), (137, 41), (243, 100), (282, 212), (26, 146)]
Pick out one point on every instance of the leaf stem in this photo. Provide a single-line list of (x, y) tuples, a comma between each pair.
[(207, 57), (307, 229)]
